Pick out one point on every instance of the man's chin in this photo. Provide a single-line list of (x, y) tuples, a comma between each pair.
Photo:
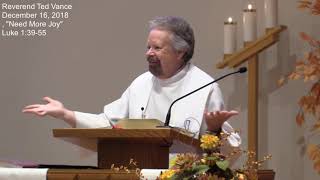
[(153, 71)]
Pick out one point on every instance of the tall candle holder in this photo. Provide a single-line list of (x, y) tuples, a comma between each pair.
[(230, 37), (249, 24), (249, 54), (271, 13)]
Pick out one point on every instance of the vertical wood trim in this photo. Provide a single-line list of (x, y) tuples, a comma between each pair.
[(253, 81)]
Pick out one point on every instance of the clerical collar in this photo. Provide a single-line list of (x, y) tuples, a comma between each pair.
[(175, 78)]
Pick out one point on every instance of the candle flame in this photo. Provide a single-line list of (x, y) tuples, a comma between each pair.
[(230, 19), (249, 6)]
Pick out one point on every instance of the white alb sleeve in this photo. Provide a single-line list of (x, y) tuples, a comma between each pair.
[(87, 120), (215, 103), (116, 109)]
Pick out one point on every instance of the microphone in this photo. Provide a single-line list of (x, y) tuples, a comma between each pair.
[(142, 113), (240, 70)]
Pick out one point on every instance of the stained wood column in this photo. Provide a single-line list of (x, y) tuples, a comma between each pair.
[(253, 90)]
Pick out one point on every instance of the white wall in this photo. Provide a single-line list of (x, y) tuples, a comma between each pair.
[(93, 58)]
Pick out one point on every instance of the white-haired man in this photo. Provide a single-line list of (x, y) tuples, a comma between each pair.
[(171, 74)]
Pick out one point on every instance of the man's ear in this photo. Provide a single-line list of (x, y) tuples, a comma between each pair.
[(181, 54)]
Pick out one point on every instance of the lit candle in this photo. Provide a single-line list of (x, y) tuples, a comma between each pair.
[(271, 13), (249, 24), (230, 36)]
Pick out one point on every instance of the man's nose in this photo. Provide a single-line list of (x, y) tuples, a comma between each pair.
[(149, 52)]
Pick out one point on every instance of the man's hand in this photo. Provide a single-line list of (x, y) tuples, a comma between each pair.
[(53, 108), (215, 119)]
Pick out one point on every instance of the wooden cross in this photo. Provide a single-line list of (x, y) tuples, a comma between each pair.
[(250, 53)]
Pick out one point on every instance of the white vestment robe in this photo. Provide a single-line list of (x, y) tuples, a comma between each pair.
[(187, 113)]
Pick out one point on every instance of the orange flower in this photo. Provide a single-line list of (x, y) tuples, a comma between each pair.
[(167, 174)]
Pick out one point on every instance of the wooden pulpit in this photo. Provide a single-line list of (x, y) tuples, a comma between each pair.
[(149, 147)]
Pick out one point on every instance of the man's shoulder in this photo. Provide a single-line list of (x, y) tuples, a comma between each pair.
[(142, 78), (199, 74), (199, 78)]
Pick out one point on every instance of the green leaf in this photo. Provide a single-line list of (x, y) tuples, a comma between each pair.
[(213, 158), (223, 164), (200, 169), (175, 177), (172, 162)]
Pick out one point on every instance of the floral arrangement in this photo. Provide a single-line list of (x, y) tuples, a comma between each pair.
[(308, 69), (212, 165)]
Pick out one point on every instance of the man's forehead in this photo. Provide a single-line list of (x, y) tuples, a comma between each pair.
[(159, 35)]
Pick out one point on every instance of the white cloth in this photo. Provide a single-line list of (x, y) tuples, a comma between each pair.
[(151, 174), (155, 96), (23, 174)]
